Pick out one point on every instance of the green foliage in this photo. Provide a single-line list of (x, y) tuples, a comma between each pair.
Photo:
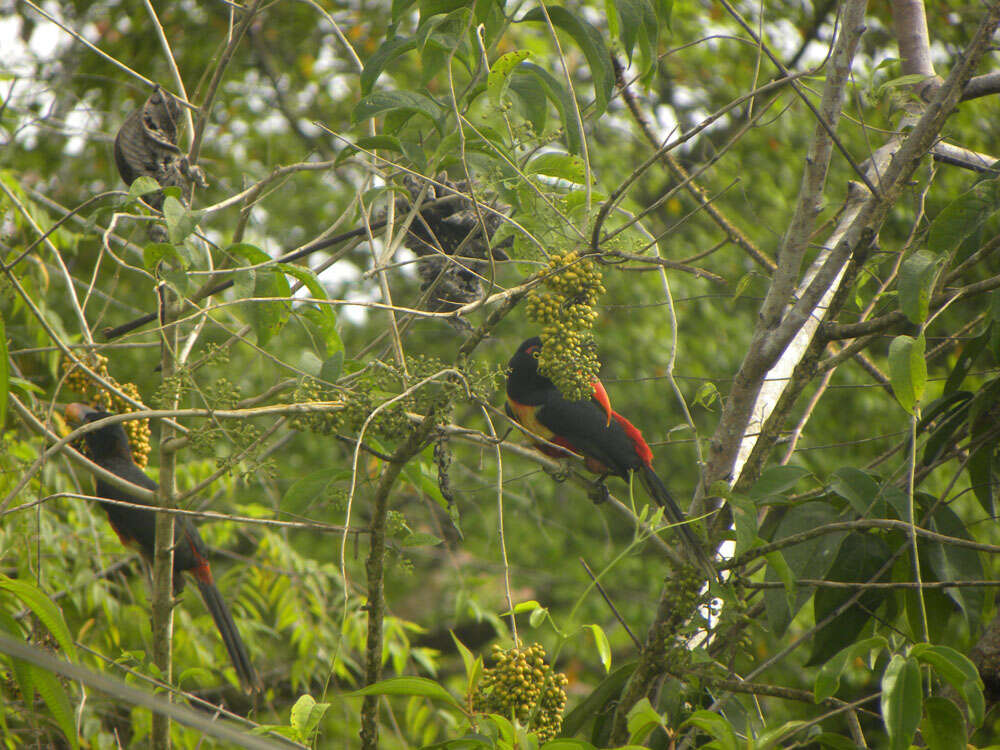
[(315, 120)]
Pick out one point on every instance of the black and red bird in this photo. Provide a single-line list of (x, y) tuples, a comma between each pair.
[(608, 442), (136, 527)]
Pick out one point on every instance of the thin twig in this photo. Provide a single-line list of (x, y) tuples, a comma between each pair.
[(611, 606)]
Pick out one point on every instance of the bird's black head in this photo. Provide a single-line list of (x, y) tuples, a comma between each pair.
[(524, 382), (103, 443)]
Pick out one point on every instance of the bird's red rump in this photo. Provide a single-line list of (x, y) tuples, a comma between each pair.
[(642, 448), (202, 572)]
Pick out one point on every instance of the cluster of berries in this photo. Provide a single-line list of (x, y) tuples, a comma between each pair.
[(522, 686), (79, 381), (563, 306)]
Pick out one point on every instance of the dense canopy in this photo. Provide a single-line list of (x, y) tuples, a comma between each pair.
[(295, 244)]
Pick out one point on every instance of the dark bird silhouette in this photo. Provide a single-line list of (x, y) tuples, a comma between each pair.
[(608, 442), (136, 527), (452, 240)]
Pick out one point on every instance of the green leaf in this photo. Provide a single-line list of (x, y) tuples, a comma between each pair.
[(180, 221), (561, 166), (473, 664), (370, 143), (828, 678), (51, 689), (835, 741), (4, 374), (409, 686), (860, 489), (591, 43), (952, 412), (902, 700), (809, 560), (311, 488), (980, 468), (776, 563), (384, 102), (962, 217), (325, 317), (957, 670), (505, 729), (776, 480), (952, 563), (771, 737), (908, 370), (916, 279), (306, 716), (558, 95), (636, 22), (332, 367), (966, 358), (498, 80), (943, 726), (195, 676), (664, 11), (528, 606), (44, 609), (21, 668), (422, 474), (399, 7), (420, 539), (389, 51), (642, 720), (430, 8), (531, 100), (906, 80), (603, 646), (860, 557), (716, 727), (605, 694), (142, 186), (269, 316), (537, 616), (153, 253)]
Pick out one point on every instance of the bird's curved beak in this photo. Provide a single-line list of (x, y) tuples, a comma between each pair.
[(77, 413), (601, 396)]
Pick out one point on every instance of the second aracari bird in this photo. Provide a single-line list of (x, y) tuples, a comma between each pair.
[(608, 442), (136, 527)]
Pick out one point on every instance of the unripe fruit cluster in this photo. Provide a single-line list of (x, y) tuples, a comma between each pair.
[(564, 308), (522, 686), (79, 381)]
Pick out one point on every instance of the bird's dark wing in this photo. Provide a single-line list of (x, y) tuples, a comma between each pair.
[(135, 526), (584, 428)]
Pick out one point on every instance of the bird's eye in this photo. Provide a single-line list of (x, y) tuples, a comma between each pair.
[(533, 351)]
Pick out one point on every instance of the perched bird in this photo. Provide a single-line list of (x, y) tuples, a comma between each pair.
[(447, 235), (146, 146), (608, 442), (109, 448)]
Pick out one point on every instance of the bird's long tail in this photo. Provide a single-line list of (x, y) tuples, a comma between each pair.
[(227, 629), (659, 492)]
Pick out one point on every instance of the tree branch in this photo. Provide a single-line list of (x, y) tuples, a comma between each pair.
[(375, 568), (162, 603), (767, 346)]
